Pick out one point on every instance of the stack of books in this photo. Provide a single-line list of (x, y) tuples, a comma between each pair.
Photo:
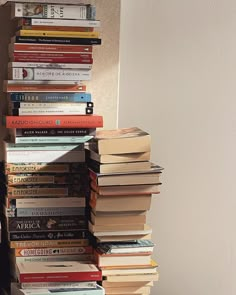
[(50, 118), (122, 181)]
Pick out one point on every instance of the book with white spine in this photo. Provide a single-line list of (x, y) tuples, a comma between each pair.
[(59, 22), (49, 65)]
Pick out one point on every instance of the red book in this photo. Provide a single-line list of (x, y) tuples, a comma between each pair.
[(63, 271), (71, 60), (52, 54), (80, 121)]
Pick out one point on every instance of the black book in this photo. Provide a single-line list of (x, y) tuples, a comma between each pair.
[(57, 40)]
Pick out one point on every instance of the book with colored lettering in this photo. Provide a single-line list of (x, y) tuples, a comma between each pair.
[(121, 141), (59, 11), (67, 34), (18, 47), (42, 86), (116, 203), (69, 271), (84, 66), (55, 121), (98, 290), (118, 167), (150, 176), (48, 74), (56, 40), (126, 247), (126, 217), (58, 22), (50, 97), (48, 243), (119, 158)]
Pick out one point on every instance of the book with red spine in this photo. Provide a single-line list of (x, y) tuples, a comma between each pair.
[(52, 55), (20, 47), (62, 271), (59, 121), (73, 60)]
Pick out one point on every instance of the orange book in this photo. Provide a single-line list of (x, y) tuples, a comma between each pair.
[(60, 121), (49, 243), (57, 28), (14, 47)]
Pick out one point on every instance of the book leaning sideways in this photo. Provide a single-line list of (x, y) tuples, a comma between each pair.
[(35, 10)]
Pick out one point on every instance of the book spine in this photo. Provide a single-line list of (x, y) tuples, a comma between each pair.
[(29, 179), (57, 40), (49, 65), (47, 235), (18, 224), (51, 211), (11, 147), (13, 168), (64, 285), (59, 22), (82, 258), (49, 74), (52, 139), (25, 203), (52, 59), (54, 11), (51, 111), (58, 28), (67, 277), (52, 54), (17, 47), (50, 191), (48, 156), (87, 121), (50, 97), (53, 251), (44, 88), (65, 34), (48, 243)]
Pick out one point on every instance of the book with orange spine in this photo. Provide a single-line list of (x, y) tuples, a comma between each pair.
[(81, 121), (58, 28)]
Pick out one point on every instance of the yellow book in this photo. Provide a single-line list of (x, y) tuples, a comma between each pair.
[(68, 34)]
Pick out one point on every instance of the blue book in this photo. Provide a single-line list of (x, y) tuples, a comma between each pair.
[(50, 97)]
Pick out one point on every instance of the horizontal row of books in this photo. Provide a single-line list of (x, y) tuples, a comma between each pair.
[(75, 199)]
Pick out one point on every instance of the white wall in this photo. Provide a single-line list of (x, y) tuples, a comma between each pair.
[(178, 81)]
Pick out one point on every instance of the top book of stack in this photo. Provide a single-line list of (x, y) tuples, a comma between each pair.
[(35, 10)]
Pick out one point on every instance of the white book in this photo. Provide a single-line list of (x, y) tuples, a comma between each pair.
[(45, 156), (57, 285), (63, 22), (78, 257), (55, 104), (49, 65), (17, 82), (78, 110), (67, 202), (49, 74)]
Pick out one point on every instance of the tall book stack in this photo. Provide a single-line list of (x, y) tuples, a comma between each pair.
[(49, 120), (122, 183)]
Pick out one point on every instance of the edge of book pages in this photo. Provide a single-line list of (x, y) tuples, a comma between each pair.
[(3, 2)]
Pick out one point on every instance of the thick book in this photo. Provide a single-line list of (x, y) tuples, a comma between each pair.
[(116, 203), (56, 121), (48, 243), (48, 74), (27, 64), (57, 40), (98, 290), (121, 141), (50, 97), (42, 86), (58, 22), (150, 176), (57, 272), (30, 48), (119, 158), (66, 34), (18, 224), (47, 132), (126, 247), (42, 167), (35, 10), (118, 167)]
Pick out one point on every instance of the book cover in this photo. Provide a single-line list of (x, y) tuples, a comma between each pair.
[(59, 22), (48, 74), (50, 97), (57, 40), (57, 33), (57, 272), (56, 121), (35, 10)]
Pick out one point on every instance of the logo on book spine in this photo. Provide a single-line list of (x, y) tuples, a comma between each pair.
[(58, 122)]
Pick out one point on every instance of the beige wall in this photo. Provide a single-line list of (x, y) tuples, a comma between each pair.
[(177, 81)]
